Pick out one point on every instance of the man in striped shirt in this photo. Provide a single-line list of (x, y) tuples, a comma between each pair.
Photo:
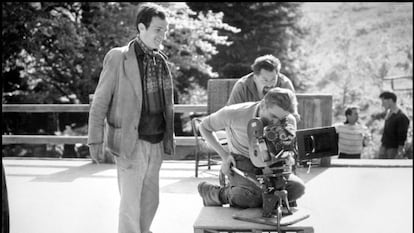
[(352, 135)]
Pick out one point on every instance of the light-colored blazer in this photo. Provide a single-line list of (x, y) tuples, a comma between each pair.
[(117, 102)]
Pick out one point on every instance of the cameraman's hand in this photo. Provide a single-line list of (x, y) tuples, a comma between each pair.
[(227, 164), (95, 151)]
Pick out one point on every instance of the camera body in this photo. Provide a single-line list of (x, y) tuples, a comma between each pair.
[(275, 148), (279, 136), (316, 142), (271, 144), (272, 148)]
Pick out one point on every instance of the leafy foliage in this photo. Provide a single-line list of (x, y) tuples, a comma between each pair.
[(58, 55), (191, 43), (349, 51), (55, 50), (354, 50), (266, 28), (52, 51)]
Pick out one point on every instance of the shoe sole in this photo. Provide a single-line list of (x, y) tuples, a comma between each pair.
[(199, 191)]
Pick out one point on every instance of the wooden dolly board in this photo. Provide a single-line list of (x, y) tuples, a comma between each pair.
[(255, 215), (220, 219)]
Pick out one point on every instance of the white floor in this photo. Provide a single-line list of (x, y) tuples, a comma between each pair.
[(75, 196)]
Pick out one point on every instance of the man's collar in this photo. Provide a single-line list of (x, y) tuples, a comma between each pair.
[(395, 110), (140, 52), (138, 49), (144, 48)]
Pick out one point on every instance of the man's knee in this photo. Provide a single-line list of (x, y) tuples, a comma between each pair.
[(244, 198), (295, 191)]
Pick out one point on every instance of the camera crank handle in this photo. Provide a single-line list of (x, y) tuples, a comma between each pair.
[(242, 174), (279, 154), (309, 163)]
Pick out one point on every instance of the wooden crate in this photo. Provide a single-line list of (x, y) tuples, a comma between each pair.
[(219, 219)]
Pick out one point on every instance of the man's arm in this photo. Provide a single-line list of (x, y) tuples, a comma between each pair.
[(207, 131), (366, 136), (213, 141), (100, 104), (402, 128)]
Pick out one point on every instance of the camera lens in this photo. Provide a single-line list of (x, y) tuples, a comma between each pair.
[(271, 135)]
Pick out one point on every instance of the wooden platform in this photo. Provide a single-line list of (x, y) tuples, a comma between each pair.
[(219, 219)]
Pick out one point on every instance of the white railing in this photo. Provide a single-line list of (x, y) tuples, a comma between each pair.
[(55, 139)]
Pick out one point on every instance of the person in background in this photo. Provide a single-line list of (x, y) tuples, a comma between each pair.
[(135, 97), (395, 128), (352, 135), (266, 75)]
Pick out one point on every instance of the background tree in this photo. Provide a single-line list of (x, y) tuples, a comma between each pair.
[(55, 57), (57, 48), (58, 53), (266, 28), (53, 53), (191, 43)]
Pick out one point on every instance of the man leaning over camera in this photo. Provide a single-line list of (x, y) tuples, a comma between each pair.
[(278, 104), (266, 75)]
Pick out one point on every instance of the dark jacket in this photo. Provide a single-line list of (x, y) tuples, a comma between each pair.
[(245, 89), (395, 130)]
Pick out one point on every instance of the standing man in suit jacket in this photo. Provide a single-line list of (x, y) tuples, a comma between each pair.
[(134, 99)]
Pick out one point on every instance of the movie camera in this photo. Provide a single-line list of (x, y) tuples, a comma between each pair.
[(277, 149)]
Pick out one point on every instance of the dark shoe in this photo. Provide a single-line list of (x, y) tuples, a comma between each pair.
[(209, 193), (291, 211), (292, 208), (291, 204)]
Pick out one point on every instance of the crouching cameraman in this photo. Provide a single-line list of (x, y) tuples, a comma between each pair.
[(277, 105)]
